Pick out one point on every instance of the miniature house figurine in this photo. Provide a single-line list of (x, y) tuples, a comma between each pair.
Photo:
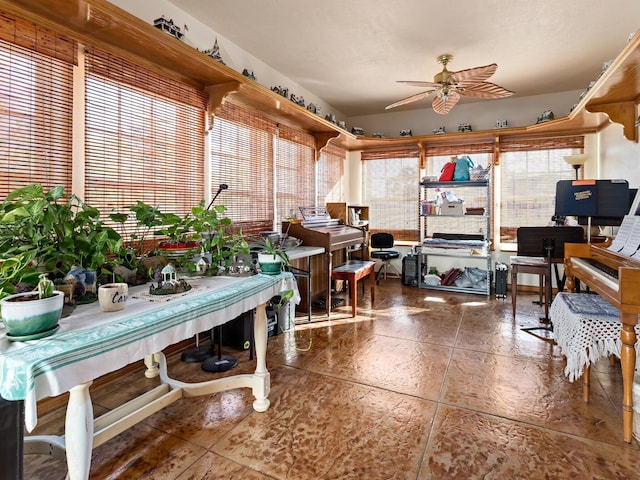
[(168, 26), (202, 265)]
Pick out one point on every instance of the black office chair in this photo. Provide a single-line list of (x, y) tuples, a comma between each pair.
[(381, 243)]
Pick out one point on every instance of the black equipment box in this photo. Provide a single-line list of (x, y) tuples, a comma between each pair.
[(410, 270), (501, 280)]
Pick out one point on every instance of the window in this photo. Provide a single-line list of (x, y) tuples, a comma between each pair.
[(242, 157), (144, 138), (36, 100), (295, 172), (390, 189), (330, 171), (529, 170)]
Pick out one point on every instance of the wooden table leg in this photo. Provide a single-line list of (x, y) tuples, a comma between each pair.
[(353, 292), (514, 287), (628, 362), (372, 280), (79, 432)]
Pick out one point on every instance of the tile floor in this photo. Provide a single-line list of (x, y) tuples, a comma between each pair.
[(421, 385)]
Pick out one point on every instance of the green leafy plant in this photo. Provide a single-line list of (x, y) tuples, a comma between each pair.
[(145, 218), (268, 246), (16, 270), (62, 230)]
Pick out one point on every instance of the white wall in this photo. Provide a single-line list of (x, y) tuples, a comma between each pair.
[(481, 115), (618, 157), (202, 37)]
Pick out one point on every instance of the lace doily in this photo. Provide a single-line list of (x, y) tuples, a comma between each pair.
[(587, 328)]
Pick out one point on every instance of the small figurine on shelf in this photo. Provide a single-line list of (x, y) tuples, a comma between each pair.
[(249, 74), (545, 116), (406, 132), (214, 52)]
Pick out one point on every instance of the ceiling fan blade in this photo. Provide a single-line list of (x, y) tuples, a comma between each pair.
[(419, 83), (471, 76), (485, 90), (442, 106), (412, 98)]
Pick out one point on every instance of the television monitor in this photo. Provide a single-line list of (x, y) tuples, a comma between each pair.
[(606, 202)]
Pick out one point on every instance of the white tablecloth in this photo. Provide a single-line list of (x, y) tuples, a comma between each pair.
[(91, 343), (587, 328)]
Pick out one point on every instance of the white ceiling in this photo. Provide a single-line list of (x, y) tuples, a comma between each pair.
[(351, 52)]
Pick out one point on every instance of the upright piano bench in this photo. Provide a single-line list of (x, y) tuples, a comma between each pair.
[(352, 271), (586, 328)]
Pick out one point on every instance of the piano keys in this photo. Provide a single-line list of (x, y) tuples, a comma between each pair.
[(582, 261), (333, 237)]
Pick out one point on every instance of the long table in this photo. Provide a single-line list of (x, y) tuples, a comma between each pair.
[(90, 344)]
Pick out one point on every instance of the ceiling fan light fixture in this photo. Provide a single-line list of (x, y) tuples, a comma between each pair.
[(449, 86)]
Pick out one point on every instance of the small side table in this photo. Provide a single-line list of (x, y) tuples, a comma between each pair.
[(352, 271)]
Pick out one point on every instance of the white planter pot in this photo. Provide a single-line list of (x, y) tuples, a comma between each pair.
[(269, 264), (31, 317)]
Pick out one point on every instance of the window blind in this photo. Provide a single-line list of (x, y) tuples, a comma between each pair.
[(330, 172), (36, 100), (295, 172), (530, 169), (242, 157), (390, 189), (144, 138)]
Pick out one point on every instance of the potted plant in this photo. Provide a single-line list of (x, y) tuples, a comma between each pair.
[(32, 314), (61, 230), (220, 246), (271, 256)]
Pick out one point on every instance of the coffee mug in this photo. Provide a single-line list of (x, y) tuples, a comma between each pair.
[(112, 296)]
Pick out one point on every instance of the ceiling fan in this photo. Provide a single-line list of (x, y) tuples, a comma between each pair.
[(449, 86)]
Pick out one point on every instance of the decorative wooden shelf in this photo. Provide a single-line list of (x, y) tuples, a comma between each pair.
[(98, 22)]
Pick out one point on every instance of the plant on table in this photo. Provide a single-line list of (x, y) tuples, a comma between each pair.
[(59, 230)]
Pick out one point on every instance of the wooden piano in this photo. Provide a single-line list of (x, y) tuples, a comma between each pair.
[(333, 236), (615, 277)]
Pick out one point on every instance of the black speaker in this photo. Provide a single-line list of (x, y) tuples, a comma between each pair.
[(410, 270), (501, 279), (237, 332)]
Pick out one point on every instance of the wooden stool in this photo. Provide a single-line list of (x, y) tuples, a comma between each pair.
[(352, 271), (537, 266)]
